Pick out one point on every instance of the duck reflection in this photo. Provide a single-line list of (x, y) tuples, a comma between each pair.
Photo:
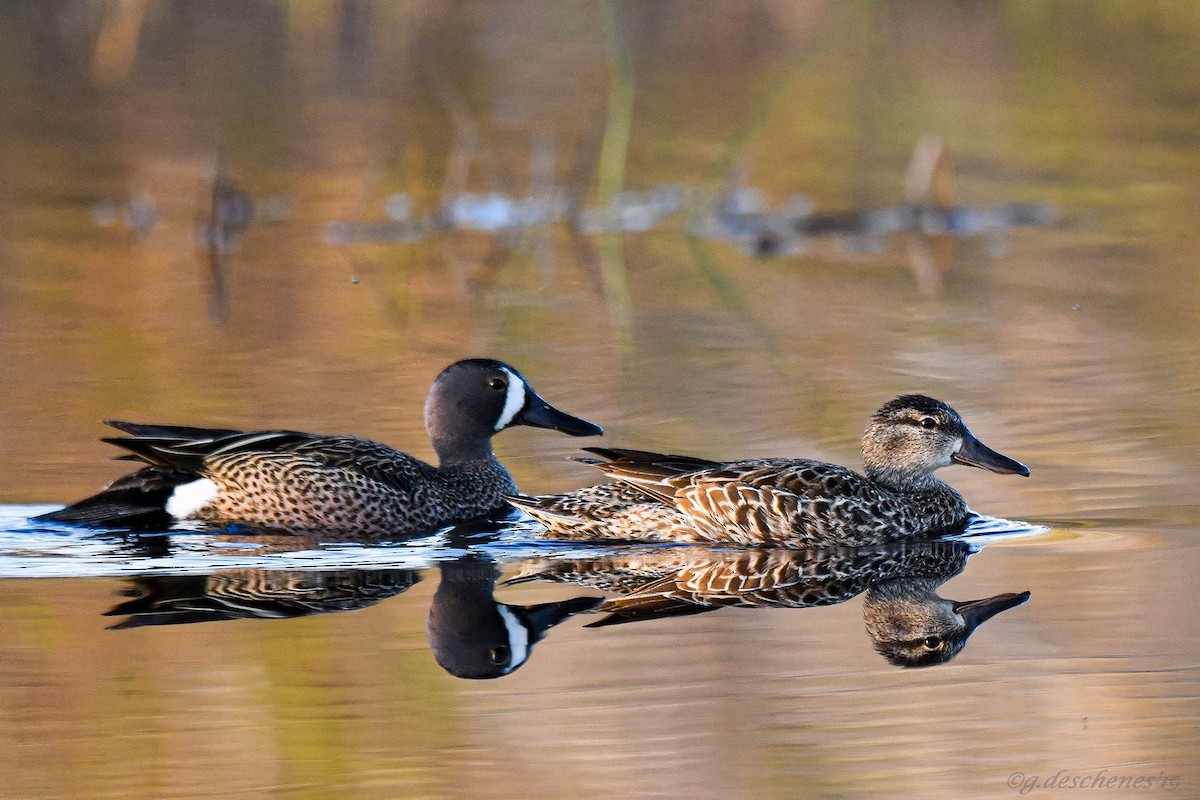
[(255, 594), (909, 624), (473, 635)]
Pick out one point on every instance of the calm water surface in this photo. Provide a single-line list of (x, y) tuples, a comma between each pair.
[(994, 204)]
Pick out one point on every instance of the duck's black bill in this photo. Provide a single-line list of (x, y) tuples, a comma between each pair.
[(977, 612), (541, 414), (975, 453)]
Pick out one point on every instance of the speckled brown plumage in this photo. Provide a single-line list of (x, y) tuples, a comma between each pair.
[(344, 483), (778, 502), (338, 485), (790, 503), (609, 511)]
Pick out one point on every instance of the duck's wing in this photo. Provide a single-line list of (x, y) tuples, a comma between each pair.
[(667, 461), (650, 473), (210, 451), (792, 503), (376, 461), (188, 449)]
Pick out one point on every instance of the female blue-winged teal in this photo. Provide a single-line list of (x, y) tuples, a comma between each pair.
[(334, 484), (784, 502)]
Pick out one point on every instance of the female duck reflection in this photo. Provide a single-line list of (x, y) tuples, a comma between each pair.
[(909, 624), (472, 635)]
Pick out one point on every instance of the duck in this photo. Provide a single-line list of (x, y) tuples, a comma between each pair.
[(783, 502), (283, 480)]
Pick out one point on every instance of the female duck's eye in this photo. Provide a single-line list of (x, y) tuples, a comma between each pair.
[(932, 642), (498, 655), (498, 384), (928, 422)]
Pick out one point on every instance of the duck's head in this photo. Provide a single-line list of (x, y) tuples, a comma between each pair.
[(912, 436), (473, 400), (911, 626)]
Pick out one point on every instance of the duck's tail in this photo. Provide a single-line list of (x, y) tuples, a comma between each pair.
[(141, 499), (560, 514), (134, 501)]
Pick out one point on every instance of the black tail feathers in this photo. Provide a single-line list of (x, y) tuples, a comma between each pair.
[(136, 501)]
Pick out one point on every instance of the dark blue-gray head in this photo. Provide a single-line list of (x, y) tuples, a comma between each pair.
[(473, 400), (913, 435)]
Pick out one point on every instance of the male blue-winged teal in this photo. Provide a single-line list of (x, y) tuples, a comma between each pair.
[(784, 502), (909, 624), (332, 484)]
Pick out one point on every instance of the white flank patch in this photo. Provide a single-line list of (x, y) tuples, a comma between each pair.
[(188, 498), (518, 637), (513, 402)]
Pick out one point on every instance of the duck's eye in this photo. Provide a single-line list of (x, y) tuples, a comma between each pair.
[(932, 642), (498, 655), (499, 384), (928, 423)]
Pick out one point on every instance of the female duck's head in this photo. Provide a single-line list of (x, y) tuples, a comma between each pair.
[(912, 436), (473, 400)]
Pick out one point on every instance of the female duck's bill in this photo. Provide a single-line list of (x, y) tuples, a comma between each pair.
[(975, 453)]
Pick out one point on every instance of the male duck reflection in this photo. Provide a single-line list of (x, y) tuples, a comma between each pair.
[(909, 624), (784, 502), (255, 594), (333, 484)]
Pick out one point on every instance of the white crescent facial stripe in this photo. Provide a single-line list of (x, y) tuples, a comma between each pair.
[(518, 637), (188, 498), (514, 401)]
